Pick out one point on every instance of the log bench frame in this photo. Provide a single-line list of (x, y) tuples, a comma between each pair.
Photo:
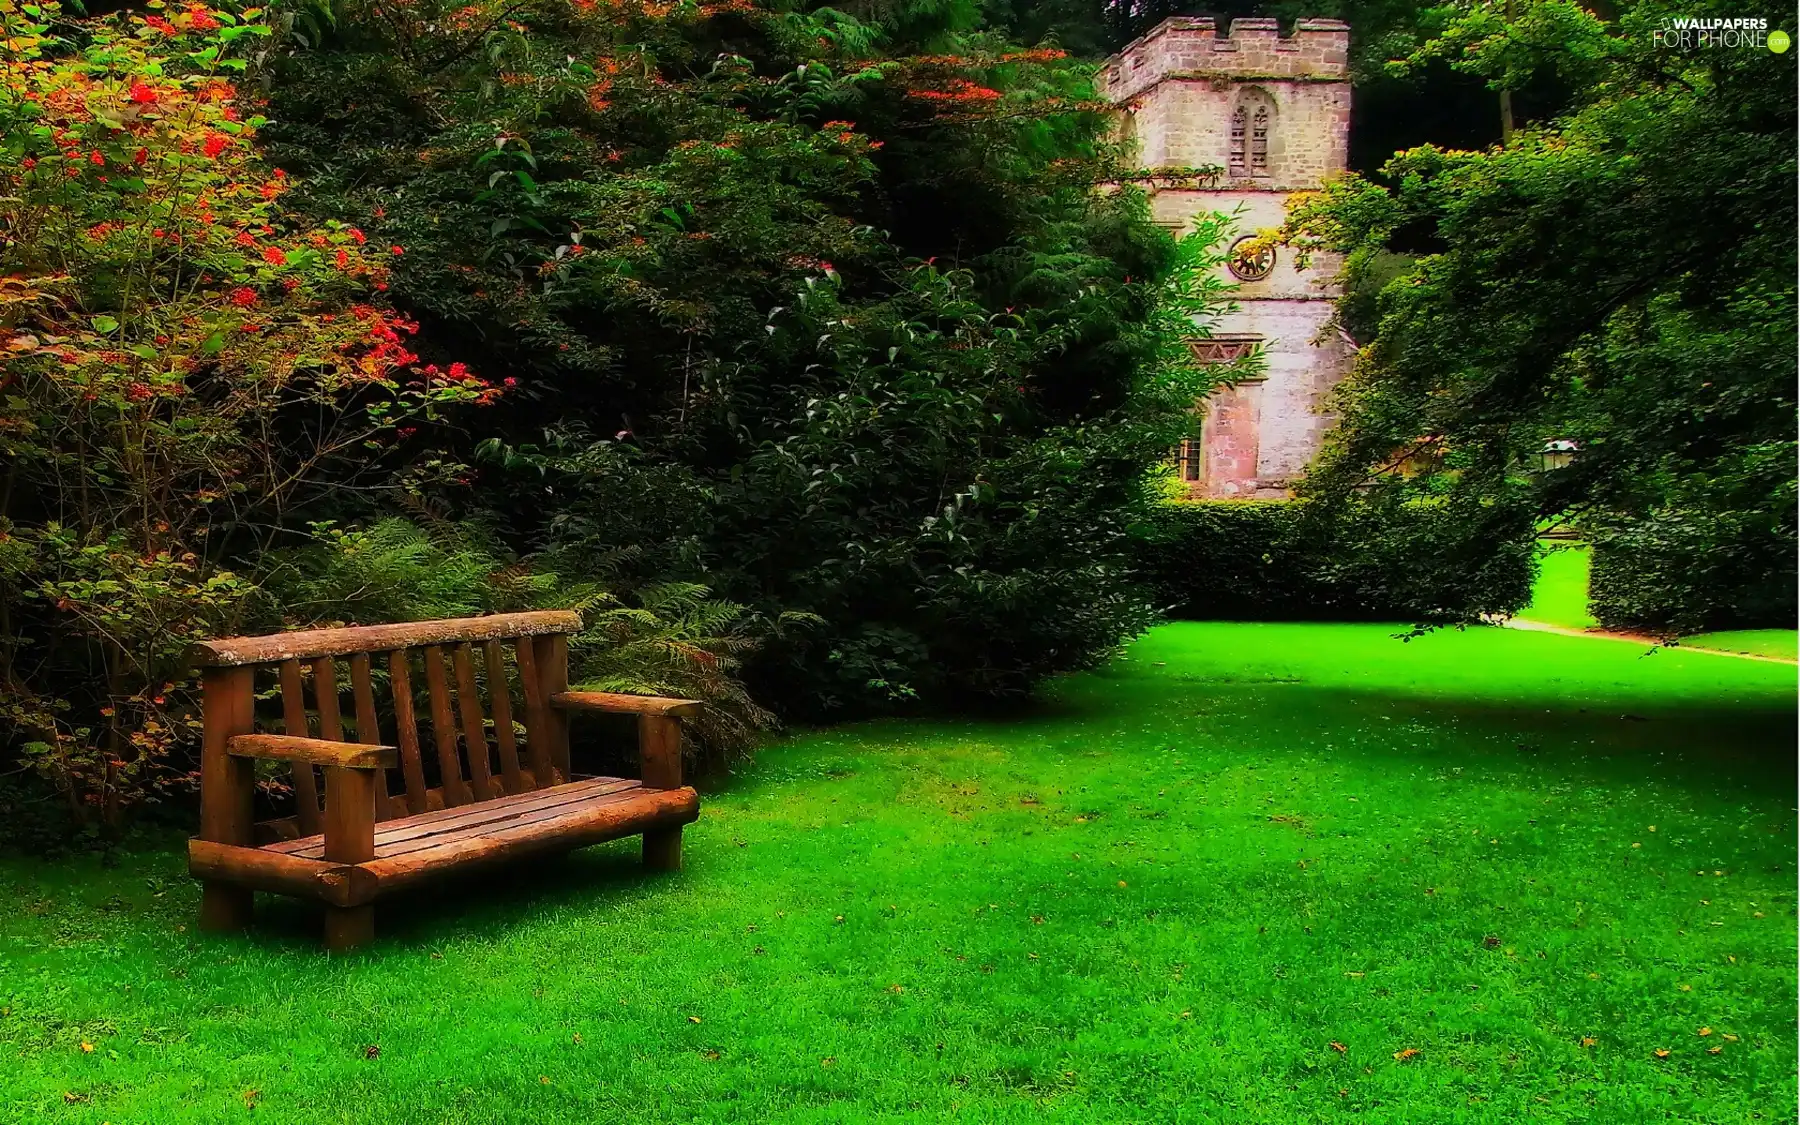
[(367, 841)]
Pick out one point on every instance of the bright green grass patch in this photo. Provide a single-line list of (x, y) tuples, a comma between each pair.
[(1560, 594), (1782, 643), (1167, 895)]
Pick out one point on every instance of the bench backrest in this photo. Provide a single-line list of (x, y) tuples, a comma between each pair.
[(454, 661)]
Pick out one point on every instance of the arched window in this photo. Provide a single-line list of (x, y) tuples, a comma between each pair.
[(1252, 134)]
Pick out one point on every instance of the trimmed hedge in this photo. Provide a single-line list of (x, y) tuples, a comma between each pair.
[(1680, 573), (1262, 560)]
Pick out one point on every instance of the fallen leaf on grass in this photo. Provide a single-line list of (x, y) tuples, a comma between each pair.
[(1662, 1052), (1185, 1015), (1358, 976), (828, 1060), (86, 1047), (371, 1052), (1338, 1047), (1703, 1032), (1121, 882), (693, 1019), (543, 1080), (1402, 1056), (1686, 987), (250, 1097), (576, 1039), (896, 989), (1730, 1038), (71, 1097), (1588, 1041), (1714, 1050), (710, 1055)]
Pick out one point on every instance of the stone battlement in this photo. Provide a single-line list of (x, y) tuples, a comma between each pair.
[(1191, 47)]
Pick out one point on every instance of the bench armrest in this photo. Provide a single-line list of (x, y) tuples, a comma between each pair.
[(625, 704), (659, 728), (313, 751)]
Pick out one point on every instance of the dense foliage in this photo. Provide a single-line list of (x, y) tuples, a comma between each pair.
[(1259, 560), (616, 306), (832, 327), (1622, 278), (1671, 573), (185, 368)]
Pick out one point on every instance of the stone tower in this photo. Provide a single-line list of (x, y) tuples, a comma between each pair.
[(1274, 113)]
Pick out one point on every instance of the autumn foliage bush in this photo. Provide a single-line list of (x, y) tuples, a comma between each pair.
[(185, 369)]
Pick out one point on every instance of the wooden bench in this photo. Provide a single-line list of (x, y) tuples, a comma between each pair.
[(471, 803)]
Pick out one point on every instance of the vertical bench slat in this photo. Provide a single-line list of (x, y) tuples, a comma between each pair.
[(537, 735), (475, 743), (553, 667), (400, 679), (325, 698), (443, 728), (500, 695), (368, 730), (293, 712), (325, 701)]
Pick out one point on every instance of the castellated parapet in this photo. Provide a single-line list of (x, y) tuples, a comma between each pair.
[(1191, 47)]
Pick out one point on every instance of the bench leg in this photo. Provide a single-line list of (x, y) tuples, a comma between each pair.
[(347, 927), (662, 849), (224, 906)]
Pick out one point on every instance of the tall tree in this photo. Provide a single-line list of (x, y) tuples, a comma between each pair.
[(1621, 277)]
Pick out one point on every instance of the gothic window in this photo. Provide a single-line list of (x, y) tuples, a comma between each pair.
[(1252, 134)]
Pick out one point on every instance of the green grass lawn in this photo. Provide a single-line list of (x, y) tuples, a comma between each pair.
[(1560, 594), (1238, 876)]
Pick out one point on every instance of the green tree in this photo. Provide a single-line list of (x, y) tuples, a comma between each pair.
[(1621, 277), (824, 314)]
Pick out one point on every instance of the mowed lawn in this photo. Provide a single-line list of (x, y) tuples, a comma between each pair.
[(1246, 873)]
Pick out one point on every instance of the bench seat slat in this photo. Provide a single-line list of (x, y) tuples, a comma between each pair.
[(390, 834), (592, 822)]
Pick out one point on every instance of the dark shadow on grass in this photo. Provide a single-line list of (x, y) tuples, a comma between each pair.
[(473, 904)]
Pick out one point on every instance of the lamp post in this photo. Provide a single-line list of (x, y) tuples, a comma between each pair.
[(1556, 454)]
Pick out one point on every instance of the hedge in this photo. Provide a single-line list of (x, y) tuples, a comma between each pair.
[(1261, 560), (1677, 572)]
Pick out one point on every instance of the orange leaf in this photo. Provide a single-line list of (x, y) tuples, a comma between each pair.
[(1662, 1052), (1402, 1056), (1338, 1047), (1588, 1040)]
